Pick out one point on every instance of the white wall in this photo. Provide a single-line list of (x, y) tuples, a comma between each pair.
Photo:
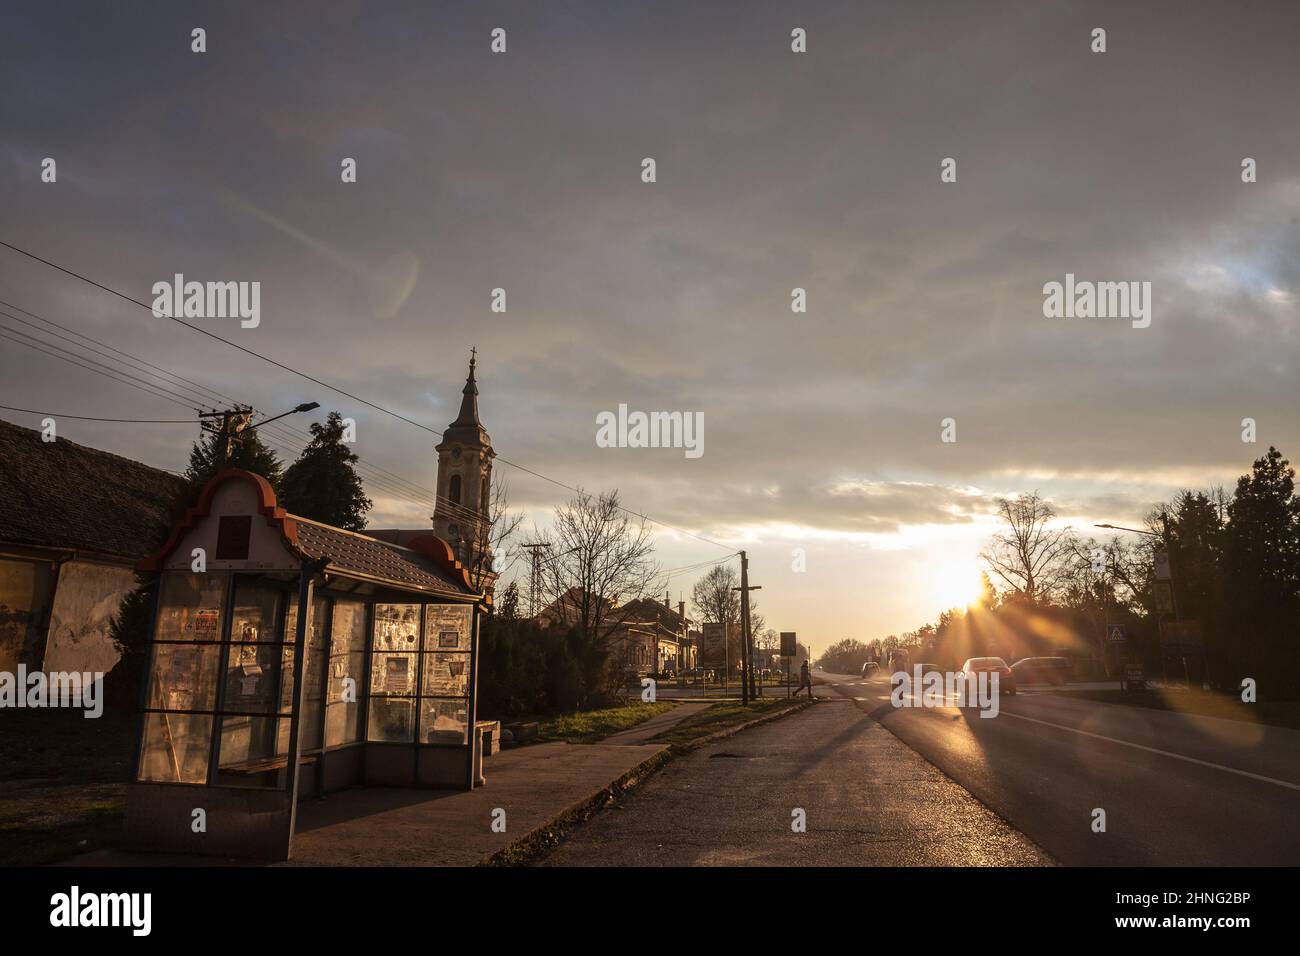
[(85, 601)]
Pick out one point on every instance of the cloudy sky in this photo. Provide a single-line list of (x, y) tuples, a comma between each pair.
[(775, 170)]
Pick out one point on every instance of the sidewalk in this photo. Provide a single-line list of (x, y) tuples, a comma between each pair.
[(534, 785), (388, 826), (656, 725)]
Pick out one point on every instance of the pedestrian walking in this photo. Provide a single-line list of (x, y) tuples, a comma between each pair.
[(805, 680)]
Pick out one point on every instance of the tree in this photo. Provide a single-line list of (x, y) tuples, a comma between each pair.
[(323, 483), (1262, 575), (845, 657), (1029, 557), (598, 560), (715, 597), (129, 630), (247, 453), (489, 554)]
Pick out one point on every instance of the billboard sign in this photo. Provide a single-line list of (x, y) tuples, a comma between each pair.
[(713, 645), (789, 647)]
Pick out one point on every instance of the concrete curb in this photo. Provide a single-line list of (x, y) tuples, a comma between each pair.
[(549, 834)]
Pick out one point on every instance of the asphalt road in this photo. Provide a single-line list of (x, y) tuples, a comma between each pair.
[(867, 799), (1176, 789)]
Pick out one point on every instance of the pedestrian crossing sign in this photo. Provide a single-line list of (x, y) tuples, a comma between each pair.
[(1116, 634)]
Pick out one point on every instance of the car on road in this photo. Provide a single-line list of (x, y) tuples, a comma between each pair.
[(992, 665), (869, 668), (926, 668), (1043, 670)]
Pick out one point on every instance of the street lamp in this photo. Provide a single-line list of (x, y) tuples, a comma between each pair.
[(1164, 536), (304, 407), (1173, 596), (1116, 527), (235, 421)]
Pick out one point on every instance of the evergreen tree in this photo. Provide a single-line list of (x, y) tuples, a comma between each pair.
[(1263, 574), (248, 453), (323, 483)]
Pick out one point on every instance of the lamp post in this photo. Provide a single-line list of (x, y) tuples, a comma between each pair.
[(237, 420), (1173, 593)]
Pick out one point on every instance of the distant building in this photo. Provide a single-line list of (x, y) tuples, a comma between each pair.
[(642, 636), (74, 521), (654, 637)]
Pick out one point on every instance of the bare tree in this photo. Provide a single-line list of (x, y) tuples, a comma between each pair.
[(489, 554), (598, 560), (715, 597), (1029, 557)]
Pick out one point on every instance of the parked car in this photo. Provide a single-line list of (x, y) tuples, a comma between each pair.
[(925, 668), (1043, 670), (869, 668), (1006, 678)]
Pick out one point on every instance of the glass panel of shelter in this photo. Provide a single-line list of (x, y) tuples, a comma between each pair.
[(221, 673)]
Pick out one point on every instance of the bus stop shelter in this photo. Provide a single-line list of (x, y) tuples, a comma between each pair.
[(290, 658)]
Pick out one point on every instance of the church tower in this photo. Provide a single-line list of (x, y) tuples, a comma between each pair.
[(462, 514)]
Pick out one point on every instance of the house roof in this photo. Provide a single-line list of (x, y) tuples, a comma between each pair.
[(426, 562), (349, 552), (649, 611), (63, 495)]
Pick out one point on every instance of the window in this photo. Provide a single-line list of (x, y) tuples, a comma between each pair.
[(393, 675), (233, 533), (454, 490), (315, 672), (445, 674), (182, 678), (346, 667), (483, 491), (257, 695)]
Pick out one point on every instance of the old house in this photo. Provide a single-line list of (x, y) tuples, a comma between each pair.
[(74, 521)]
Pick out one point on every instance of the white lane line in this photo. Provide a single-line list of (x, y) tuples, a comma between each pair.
[(1154, 750)]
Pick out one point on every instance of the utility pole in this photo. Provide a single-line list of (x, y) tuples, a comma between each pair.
[(535, 576), (233, 423), (746, 647)]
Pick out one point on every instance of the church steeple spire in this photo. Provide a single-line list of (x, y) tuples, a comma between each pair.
[(462, 516), (468, 416)]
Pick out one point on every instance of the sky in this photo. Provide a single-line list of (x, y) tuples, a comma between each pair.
[(774, 170)]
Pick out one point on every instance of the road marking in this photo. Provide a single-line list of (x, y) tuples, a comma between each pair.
[(1155, 750)]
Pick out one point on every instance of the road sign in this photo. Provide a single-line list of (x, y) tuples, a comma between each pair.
[(1133, 679), (1116, 634), (1162, 566), (789, 647)]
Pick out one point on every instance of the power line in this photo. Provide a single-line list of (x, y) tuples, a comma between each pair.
[(87, 418), (335, 388), (195, 392), (285, 445), (201, 393), (133, 358), (114, 378)]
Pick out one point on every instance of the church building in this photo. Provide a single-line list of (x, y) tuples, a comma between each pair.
[(462, 514)]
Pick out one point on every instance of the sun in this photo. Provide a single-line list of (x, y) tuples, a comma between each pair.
[(952, 584)]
